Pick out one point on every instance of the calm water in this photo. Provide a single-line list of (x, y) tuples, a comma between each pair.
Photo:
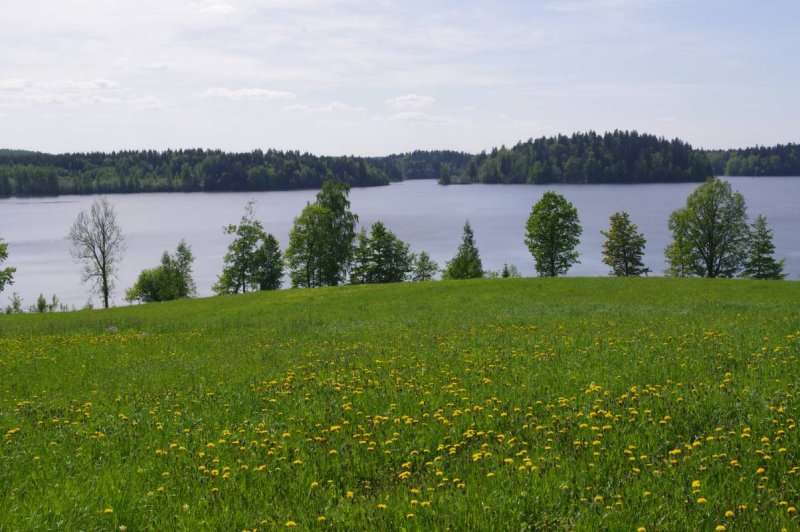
[(422, 213)]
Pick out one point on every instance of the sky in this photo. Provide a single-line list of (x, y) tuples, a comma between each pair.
[(377, 77)]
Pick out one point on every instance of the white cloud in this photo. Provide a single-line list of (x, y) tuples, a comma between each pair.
[(220, 8), (410, 101), (247, 94), (327, 108), (13, 84), (425, 118)]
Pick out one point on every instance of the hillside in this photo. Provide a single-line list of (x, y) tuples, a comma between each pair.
[(547, 403)]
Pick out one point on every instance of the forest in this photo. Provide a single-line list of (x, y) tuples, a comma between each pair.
[(780, 160), (617, 157)]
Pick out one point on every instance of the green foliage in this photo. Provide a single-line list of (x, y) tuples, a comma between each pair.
[(618, 157), (467, 262), (253, 411), (172, 279), (623, 248), (510, 271), (253, 261), (6, 274), (37, 174), (709, 235), (779, 160), (424, 268), (552, 233), (380, 257), (98, 245), (321, 242), (14, 305), (760, 263)]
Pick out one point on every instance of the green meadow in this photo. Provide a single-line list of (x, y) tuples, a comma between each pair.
[(585, 404)]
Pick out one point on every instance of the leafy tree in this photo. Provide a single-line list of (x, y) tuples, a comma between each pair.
[(424, 268), (98, 244), (253, 261), (552, 233), (624, 247), (15, 305), (509, 271), (760, 263), (321, 242), (380, 257), (467, 262), (6, 274), (172, 279), (710, 235)]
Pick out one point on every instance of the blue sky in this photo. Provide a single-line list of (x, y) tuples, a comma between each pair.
[(370, 78)]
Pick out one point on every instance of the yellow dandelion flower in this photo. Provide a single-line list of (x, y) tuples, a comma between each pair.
[(702, 500), (382, 506), (290, 523), (108, 511)]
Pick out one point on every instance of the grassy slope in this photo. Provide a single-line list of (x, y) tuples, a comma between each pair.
[(570, 403)]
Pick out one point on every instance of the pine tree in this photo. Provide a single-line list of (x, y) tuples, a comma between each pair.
[(467, 262), (760, 263), (624, 247)]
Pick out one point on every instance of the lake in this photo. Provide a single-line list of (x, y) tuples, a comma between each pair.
[(428, 216)]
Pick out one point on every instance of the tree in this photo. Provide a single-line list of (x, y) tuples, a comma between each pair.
[(6, 274), (424, 268), (467, 262), (253, 261), (321, 242), (98, 244), (624, 247), (509, 271), (760, 263), (709, 235), (552, 233), (380, 257), (172, 279)]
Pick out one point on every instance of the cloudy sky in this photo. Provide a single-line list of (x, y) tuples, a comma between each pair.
[(375, 77)]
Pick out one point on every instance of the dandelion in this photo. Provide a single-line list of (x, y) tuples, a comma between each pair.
[(382, 506), (290, 524), (108, 511)]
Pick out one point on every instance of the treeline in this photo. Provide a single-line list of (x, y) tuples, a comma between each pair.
[(780, 160), (39, 174), (618, 157)]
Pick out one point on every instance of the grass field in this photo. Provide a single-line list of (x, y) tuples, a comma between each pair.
[(498, 404)]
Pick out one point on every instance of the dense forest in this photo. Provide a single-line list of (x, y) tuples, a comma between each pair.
[(25, 173), (780, 160), (618, 157)]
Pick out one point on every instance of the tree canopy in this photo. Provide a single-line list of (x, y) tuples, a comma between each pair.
[(779, 160), (253, 261), (467, 262), (618, 157), (380, 257), (760, 262), (709, 235), (6, 274), (172, 279), (623, 248), (552, 233), (321, 242)]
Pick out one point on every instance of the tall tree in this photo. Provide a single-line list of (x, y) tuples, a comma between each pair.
[(98, 244), (424, 269), (624, 247), (760, 262), (6, 274), (321, 242), (710, 235), (380, 257), (253, 261), (467, 262), (552, 233), (172, 279)]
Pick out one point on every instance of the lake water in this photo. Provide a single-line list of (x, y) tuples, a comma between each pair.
[(426, 215)]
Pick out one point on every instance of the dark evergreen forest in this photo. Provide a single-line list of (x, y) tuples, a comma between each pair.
[(618, 157), (780, 160)]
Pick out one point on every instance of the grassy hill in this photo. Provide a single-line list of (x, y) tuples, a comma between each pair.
[(564, 403)]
